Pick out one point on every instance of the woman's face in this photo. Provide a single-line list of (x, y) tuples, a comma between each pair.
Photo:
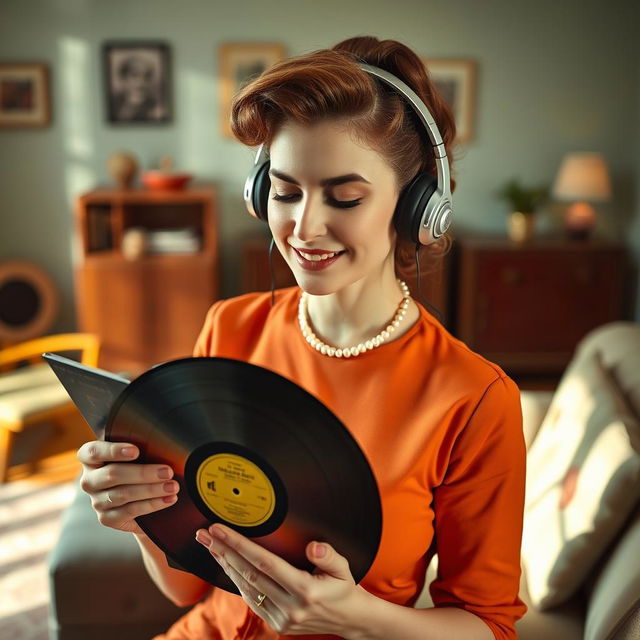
[(330, 206)]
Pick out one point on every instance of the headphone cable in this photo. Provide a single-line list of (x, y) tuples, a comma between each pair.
[(271, 272)]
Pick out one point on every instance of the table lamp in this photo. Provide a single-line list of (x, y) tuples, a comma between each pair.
[(582, 178)]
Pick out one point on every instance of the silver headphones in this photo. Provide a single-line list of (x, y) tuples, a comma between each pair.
[(424, 208)]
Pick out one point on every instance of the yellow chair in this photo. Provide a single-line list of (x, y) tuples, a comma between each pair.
[(32, 394)]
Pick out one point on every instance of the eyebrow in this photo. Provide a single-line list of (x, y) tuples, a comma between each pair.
[(349, 177)]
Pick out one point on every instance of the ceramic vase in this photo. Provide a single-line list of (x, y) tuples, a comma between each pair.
[(520, 226), (122, 167)]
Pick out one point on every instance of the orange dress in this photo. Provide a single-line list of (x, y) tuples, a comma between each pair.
[(442, 429)]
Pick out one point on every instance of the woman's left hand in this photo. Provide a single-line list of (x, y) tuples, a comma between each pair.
[(290, 600)]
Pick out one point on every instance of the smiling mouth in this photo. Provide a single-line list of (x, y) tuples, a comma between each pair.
[(318, 257)]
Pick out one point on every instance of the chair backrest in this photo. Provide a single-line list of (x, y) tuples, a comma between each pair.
[(87, 343)]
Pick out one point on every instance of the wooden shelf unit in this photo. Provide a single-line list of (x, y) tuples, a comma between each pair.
[(149, 309)]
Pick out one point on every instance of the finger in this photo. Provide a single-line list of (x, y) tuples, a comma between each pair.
[(328, 560), (117, 496), (229, 560), (124, 473), (265, 608), (259, 566), (249, 592), (131, 510), (97, 452)]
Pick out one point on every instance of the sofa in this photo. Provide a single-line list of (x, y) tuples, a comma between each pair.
[(100, 589)]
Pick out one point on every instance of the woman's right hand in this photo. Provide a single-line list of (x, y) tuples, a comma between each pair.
[(121, 491)]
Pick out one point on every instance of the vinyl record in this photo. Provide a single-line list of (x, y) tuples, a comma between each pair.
[(255, 451)]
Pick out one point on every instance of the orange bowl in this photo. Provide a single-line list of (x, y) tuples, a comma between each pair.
[(165, 180)]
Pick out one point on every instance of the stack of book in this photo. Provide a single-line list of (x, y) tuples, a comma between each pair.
[(173, 241)]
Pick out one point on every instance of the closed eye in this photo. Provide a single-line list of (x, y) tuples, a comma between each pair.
[(340, 204)]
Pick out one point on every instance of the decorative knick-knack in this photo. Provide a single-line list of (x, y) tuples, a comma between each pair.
[(122, 167)]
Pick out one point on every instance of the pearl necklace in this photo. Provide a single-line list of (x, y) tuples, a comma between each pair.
[(367, 345)]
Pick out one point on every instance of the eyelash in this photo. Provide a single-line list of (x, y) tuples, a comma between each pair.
[(335, 203)]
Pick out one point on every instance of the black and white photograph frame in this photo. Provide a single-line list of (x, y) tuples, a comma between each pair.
[(137, 82), (455, 79)]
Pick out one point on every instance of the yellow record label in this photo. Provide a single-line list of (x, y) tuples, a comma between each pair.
[(236, 489)]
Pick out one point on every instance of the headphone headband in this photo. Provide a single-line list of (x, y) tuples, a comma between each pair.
[(439, 151), (424, 208)]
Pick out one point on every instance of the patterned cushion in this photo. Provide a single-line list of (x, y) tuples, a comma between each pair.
[(583, 480)]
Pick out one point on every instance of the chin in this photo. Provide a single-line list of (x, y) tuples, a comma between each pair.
[(315, 286)]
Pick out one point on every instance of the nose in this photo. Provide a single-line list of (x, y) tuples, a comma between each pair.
[(309, 220)]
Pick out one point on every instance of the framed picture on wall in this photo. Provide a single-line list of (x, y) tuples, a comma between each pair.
[(137, 82), (455, 79), (239, 63), (24, 95)]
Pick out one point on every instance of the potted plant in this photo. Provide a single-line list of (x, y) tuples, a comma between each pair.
[(523, 202)]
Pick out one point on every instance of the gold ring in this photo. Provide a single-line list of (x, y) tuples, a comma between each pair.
[(260, 600)]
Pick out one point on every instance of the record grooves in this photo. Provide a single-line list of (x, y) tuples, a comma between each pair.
[(255, 451)]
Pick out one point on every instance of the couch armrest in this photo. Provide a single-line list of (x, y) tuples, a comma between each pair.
[(534, 408), (98, 583)]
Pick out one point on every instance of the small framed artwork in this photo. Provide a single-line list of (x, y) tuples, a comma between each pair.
[(239, 63), (24, 95), (455, 78), (137, 81)]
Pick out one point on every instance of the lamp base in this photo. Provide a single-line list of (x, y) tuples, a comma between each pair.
[(579, 235), (579, 220)]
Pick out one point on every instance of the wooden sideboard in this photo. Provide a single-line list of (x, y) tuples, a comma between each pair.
[(526, 306), (150, 308)]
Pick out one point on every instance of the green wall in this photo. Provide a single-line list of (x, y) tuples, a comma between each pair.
[(553, 77)]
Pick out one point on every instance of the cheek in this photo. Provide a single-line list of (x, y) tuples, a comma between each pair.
[(278, 220), (376, 229)]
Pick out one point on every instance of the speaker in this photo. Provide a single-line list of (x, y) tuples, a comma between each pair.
[(29, 301)]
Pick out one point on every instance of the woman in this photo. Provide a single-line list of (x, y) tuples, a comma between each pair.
[(440, 425)]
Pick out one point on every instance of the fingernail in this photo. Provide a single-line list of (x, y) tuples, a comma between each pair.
[(164, 473), (170, 487), (170, 499), (203, 537), (320, 550), (129, 452), (217, 532)]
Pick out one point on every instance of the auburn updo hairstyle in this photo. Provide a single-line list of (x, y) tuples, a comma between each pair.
[(329, 84)]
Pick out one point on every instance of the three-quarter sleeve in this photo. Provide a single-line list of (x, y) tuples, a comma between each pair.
[(203, 346), (479, 512)]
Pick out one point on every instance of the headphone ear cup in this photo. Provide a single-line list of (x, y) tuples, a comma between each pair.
[(261, 187), (411, 205)]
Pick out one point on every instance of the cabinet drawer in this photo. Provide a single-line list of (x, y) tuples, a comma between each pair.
[(536, 302)]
